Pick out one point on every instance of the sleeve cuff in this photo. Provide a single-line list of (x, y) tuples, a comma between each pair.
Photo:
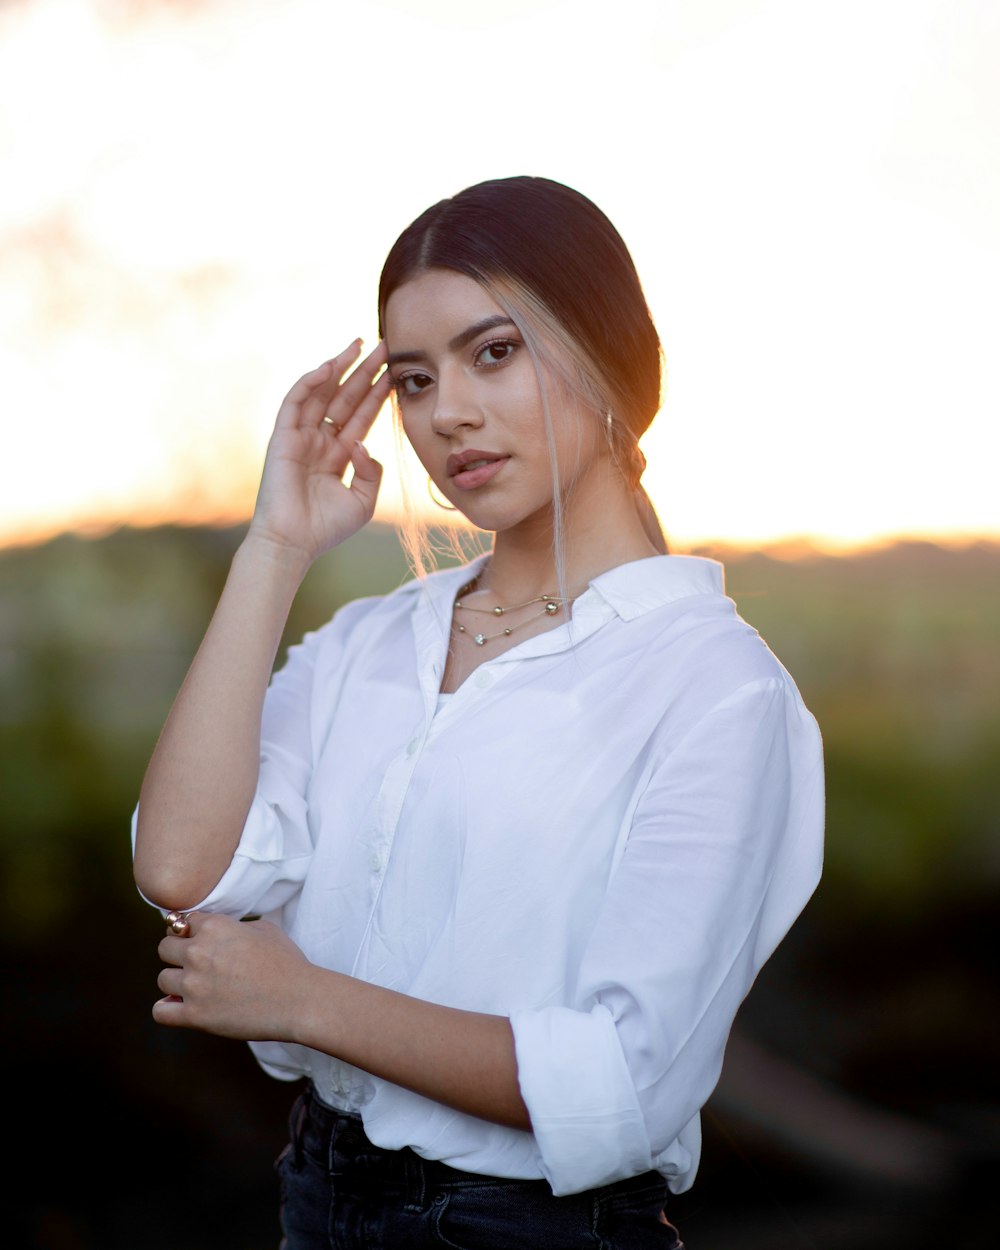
[(254, 883), (579, 1093)]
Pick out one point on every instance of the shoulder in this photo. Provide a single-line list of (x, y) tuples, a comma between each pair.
[(677, 604), (686, 637)]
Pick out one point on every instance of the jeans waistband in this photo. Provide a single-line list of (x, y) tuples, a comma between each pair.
[(334, 1177), (340, 1138)]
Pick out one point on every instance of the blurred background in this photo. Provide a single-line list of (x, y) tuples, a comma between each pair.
[(196, 199)]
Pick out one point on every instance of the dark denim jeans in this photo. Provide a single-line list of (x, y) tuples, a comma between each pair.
[(340, 1192)]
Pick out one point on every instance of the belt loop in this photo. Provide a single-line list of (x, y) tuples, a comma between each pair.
[(415, 1198), (296, 1123)]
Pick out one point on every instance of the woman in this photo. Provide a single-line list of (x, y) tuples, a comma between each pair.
[(523, 832)]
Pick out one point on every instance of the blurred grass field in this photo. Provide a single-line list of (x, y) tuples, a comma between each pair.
[(882, 1002)]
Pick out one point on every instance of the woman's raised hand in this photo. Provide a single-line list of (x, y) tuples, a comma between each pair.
[(303, 503)]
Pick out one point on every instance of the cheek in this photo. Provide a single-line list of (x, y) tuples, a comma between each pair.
[(527, 388), (404, 421), (519, 410), (416, 434), (578, 437)]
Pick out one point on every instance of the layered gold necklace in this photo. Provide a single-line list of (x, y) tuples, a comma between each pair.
[(551, 606)]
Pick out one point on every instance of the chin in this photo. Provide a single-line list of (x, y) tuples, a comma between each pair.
[(501, 520)]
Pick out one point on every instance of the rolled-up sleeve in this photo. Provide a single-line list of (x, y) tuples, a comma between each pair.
[(723, 852), (275, 846)]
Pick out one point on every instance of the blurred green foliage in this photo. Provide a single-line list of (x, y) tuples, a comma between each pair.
[(897, 652)]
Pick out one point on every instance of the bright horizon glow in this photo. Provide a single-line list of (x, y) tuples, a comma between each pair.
[(197, 205)]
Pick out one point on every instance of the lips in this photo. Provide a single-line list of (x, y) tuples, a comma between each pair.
[(471, 468)]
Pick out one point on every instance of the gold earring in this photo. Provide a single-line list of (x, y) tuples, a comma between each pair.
[(448, 507), (608, 431)]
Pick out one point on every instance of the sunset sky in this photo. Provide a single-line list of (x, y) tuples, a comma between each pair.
[(196, 198)]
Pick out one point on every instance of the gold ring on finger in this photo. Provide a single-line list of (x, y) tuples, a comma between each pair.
[(177, 922)]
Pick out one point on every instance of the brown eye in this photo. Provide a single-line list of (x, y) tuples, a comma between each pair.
[(496, 353), (412, 383)]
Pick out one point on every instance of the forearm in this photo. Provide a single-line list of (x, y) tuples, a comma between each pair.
[(201, 779), (464, 1059), (203, 773), (250, 981)]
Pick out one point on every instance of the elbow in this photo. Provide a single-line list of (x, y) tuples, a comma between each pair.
[(170, 891), (172, 883), (171, 872)]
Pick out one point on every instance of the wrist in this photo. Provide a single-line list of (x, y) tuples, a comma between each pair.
[(273, 556), (317, 1017)]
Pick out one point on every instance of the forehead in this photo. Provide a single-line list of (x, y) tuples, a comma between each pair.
[(435, 303)]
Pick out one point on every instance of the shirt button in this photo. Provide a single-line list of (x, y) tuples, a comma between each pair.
[(376, 862), (483, 680), (412, 746)]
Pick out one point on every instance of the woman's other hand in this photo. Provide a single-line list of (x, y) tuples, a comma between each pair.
[(233, 978), (303, 503), (249, 981)]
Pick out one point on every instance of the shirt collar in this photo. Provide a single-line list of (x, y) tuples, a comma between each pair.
[(630, 590), (637, 587), (440, 587), (437, 592)]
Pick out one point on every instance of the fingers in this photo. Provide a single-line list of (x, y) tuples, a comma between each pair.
[(169, 1011), (323, 399), (367, 476), (174, 950), (348, 415), (319, 385), (357, 425), (180, 928), (355, 403), (169, 983)]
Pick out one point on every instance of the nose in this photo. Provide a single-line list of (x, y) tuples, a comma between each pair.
[(456, 404)]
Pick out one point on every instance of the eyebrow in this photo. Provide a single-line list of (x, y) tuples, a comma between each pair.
[(459, 341)]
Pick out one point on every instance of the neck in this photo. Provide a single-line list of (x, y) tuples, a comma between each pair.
[(594, 539)]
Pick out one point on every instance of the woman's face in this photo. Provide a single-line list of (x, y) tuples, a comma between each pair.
[(471, 404)]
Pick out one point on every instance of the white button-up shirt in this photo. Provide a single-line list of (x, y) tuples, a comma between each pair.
[(603, 834)]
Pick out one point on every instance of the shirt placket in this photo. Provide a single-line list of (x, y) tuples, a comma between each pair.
[(430, 649)]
